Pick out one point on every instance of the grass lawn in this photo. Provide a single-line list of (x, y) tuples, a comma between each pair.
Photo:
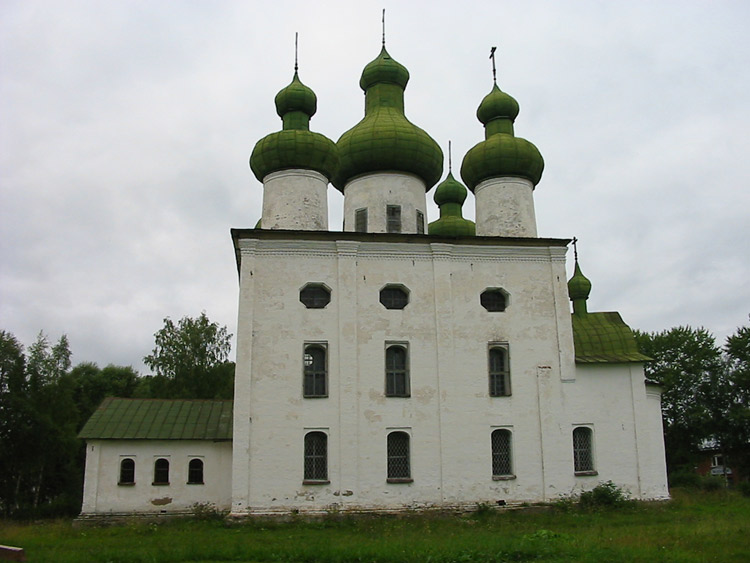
[(694, 526)]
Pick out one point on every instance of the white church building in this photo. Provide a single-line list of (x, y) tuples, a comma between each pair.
[(395, 364)]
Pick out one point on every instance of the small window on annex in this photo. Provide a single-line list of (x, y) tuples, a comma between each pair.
[(127, 472), (583, 451), (494, 299), (161, 471), (315, 295), (396, 370), (393, 219), (399, 470), (502, 458), (316, 458), (499, 370), (394, 296), (360, 220), (420, 222), (195, 472), (315, 371)]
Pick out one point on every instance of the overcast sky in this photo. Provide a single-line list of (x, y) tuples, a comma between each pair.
[(126, 128)]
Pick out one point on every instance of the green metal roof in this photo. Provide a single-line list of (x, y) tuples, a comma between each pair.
[(604, 338), (450, 196), (158, 419)]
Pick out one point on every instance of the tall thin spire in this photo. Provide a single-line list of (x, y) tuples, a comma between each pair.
[(450, 160), (383, 27), (295, 52), (494, 70)]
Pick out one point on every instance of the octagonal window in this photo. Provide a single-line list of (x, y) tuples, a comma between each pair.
[(394, 297), (315, 295), (494, 299)]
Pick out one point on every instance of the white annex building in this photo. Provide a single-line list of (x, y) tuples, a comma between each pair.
[(394, 364)]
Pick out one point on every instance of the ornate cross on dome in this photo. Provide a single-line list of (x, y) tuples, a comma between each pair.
[(494, 71), (575, 248), (295, 51), (383, 27)]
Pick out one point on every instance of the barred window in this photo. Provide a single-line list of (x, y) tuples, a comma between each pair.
[(195, 472), (393, 219), (316, 457), (583, 454), (127, 472), (494, 300), (315, 296), (396, 371), (420, 222), (394, 297), (399, 470), (360, 220), (502, 462), (161, 471), (499, 371), (315, 371)]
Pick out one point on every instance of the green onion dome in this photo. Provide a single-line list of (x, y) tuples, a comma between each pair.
[(501, 153), (295, 146), (385, 140), (450, 196), (579, 288)]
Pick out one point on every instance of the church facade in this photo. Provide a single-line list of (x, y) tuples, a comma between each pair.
[(399, 364)]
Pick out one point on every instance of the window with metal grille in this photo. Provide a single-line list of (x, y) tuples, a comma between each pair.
[(502, 465), (499, 372), (316, 457), (583, 455), (420, 222), (398, 458), (360, 220), (494, 300), (315, 296), (127, 472), (161, 471), (393, 218), (396, 371), (195, 472), (315, 371), (394, 297)]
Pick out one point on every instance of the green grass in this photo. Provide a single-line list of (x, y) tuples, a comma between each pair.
[(693, 527)]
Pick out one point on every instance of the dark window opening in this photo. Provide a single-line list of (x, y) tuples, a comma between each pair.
[(494, 300), (360, 220), (583, 455), (315, 371), (195, 472), (127, 472), (398, 457), (161, 472), (499, 372), (420, 222), (501, 453), (393, 219), (394, 297), (315, 296), (396, 372), (316, 457)]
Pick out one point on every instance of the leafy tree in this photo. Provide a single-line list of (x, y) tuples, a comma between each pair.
[(689, 366), (737, 354), (190, 356), (92, 385)]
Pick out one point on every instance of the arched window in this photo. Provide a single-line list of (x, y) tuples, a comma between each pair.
[(161, 471), (195, 472), (499, 371), (315, 371), (583, 450), (316, 457), (399, 470), (502, 461), (396, 371), (127, 472)]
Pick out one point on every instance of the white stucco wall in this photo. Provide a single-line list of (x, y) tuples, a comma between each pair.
[(102, 494), (295, 200), (505, 208), (449, 414), (375, 192)]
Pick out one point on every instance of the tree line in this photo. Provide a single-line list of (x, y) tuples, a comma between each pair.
[(45, 401)]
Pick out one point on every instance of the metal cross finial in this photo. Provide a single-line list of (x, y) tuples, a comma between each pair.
[(295, 51), (494, 70), (383, 27), (450, 164), (575, 248)]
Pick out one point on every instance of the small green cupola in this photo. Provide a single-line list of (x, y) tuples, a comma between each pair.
[(579, 288), (384, 140), (295, 146), (450, 196), (501, 153)]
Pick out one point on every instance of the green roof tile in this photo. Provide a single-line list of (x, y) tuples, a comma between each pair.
[(156, 419), (604, 338)]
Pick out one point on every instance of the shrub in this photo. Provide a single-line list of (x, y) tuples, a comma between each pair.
[(207, 511), (744, 488), (686, 478), (710, 483), (604, 495)]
